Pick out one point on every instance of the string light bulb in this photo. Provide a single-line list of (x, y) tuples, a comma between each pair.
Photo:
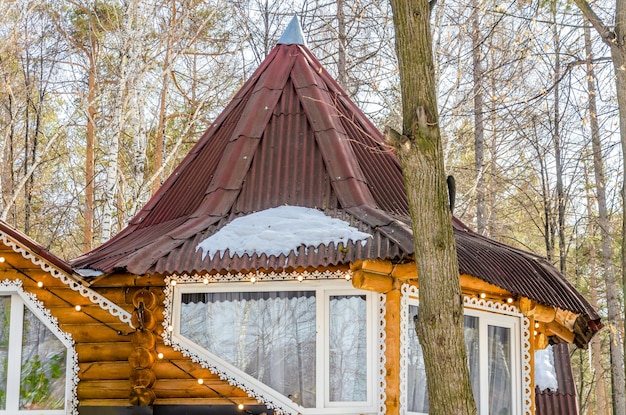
[(240, 406), (200, 381), (170, 328), (253, 280), (348, 277), (483, 295), (300, 277), (40, 284), (78, 307), (536, 325), (173, 283), (509, 300), (205, 281), (160, 355), (2, 259)]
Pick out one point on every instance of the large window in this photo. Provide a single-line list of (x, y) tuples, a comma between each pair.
[(308, 346), (33, 360), (493, 343)]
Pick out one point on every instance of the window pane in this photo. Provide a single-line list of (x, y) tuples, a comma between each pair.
[(5, 319), (472, 347), (43, 366), (417, 399), (500, 387), (269, 335), (348, 348)]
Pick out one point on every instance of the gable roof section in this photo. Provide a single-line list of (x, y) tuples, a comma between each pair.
[(291, 136)]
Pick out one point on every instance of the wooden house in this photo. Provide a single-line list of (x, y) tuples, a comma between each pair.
[(272, 273)]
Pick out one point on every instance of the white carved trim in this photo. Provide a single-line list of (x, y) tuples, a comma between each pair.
[(409, 291), (71, 398), (382, 355), (225, 373), (94, 297)]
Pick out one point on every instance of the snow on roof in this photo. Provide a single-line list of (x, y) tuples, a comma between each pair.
[(545, 374), (278, 231)]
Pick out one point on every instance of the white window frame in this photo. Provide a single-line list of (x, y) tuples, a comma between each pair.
[(19, 300), (489, 314), (324, 289)]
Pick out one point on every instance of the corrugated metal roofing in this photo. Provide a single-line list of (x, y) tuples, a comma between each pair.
[(563, 401), (291, 136)]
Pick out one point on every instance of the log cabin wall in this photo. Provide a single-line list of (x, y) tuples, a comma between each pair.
[(145, 371)]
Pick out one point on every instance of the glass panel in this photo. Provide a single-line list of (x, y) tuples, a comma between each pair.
[(269, 335), (472, 347), (417, 399), (43, 366), (5, 320), (500, 383), (348, 348)]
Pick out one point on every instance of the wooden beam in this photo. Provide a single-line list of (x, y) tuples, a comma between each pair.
[(476, 285), (406, 271), (541, 313), (560, 331), (372, 282)]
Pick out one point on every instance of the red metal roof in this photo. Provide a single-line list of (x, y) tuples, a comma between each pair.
[(291, 136), (26, 242), (564, 400)]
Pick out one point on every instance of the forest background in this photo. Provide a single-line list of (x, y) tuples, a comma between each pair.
[(100, 100)]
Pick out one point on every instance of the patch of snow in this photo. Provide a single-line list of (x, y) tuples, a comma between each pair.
[(87, 272), (279, 231), (545, 375)]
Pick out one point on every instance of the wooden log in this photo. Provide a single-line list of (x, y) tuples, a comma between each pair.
[(144, 319), (104, 371), (474, 285), (97, 333), (181, 369), (103, 389), (405, 271), (566, 318), (90, 313), (145, 339), (541, 313), (103, 352), (85, 404), (146, 297), (246, 401), (141, 396), (372, 282), (142, 377), (190, 388), (560, 331), (129, 280), (392, 351), (141, 358)]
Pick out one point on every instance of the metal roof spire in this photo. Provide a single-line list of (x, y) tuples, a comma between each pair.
[(293, 33)]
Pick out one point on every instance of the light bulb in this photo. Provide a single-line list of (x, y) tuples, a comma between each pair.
[(78, 307), (40, 284)]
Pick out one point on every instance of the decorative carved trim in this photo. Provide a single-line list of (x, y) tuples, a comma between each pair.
[(225, 373), (94, 297), (71, 375), (472, 303), (382, 356)]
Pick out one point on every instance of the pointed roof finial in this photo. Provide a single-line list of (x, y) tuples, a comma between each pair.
[(293, 33)]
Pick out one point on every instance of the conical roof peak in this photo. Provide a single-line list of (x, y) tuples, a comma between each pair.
[(293, 34)]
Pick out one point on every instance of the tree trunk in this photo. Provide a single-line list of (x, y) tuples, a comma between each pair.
[(616, 40), (479, 127), (419, 149), (90, 174), (556, 141)]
